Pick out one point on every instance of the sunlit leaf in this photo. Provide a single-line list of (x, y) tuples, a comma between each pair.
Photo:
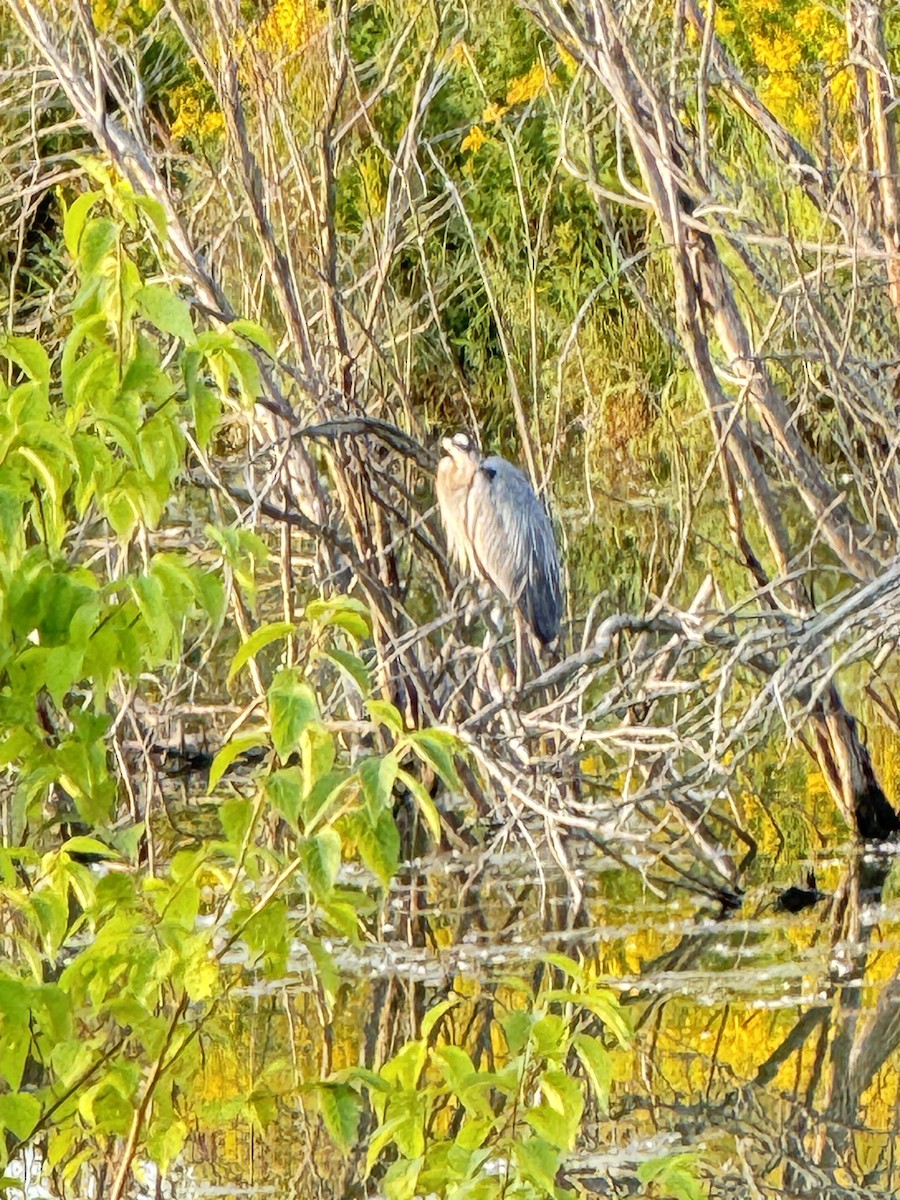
[(597, 1064), (263, 636), (231, 751), (76, 215), (254, 333), (674, 1175), (340, 1109), (538, 1162), (424, 803), (437, 747), (168, 312), (386, 714), (352, 666), (19, 1113), (292, 706)]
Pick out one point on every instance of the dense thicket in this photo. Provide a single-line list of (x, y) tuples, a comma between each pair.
[(257, 259)]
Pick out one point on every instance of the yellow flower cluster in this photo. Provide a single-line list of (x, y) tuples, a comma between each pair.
[(193, 118), (520, 90), (289, 25), (791, 49)]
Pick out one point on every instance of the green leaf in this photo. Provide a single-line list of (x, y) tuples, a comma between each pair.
[(377, 776), (321, 857), (424, 803), (292, 706), (437, 747), (352, 666), (538, 1162), (284, 789), (88, 845), (345, 612), (564, 1096), (259, 638), (229, 752), (401, 1178), (166, 311), (256, 334), (377, 841), (28, 354), (236, 816), (317, 755), (76, 215), (674, 1175), (385, 713), (595, 1059), (551, 1126), (19, 1113), (340, 1109)]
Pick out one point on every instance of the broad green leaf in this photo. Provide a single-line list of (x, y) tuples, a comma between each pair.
[(317, 755), (549, 1036), (564, 1095), (340, 1109), (550, 1125), (387, 714), (377, 841), (401, 1179), (437, 747), (292, 706), (321, 856), (263, 636), (674, 1175), (166, 311), (229, 752), (352, 666), (76, 215), (345, 612), (406, 1066), (256, 334), (377, 776), (538, 1162), (285, 790), (15, 1043), (424, 803), (382, 1137), (89, 846), (19, 1113), (236, 816), (28, 354), (597, 1064)]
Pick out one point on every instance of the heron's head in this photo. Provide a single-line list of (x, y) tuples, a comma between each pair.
[(461, 447)]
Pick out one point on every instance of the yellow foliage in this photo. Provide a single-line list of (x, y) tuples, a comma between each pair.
[(474, 139), (289, 25), (494, 112), (567, 60), (459, 55), (809, 20), (526, 87), (193, 119)]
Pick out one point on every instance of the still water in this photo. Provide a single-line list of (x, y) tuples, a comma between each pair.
[(761, 1059)]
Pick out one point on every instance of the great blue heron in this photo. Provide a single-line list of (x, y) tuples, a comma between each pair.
[(498, 529)]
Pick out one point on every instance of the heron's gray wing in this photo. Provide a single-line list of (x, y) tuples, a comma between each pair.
[(513, 543)]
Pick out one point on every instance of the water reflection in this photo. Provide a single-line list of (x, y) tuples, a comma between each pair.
[(764, 1040)]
